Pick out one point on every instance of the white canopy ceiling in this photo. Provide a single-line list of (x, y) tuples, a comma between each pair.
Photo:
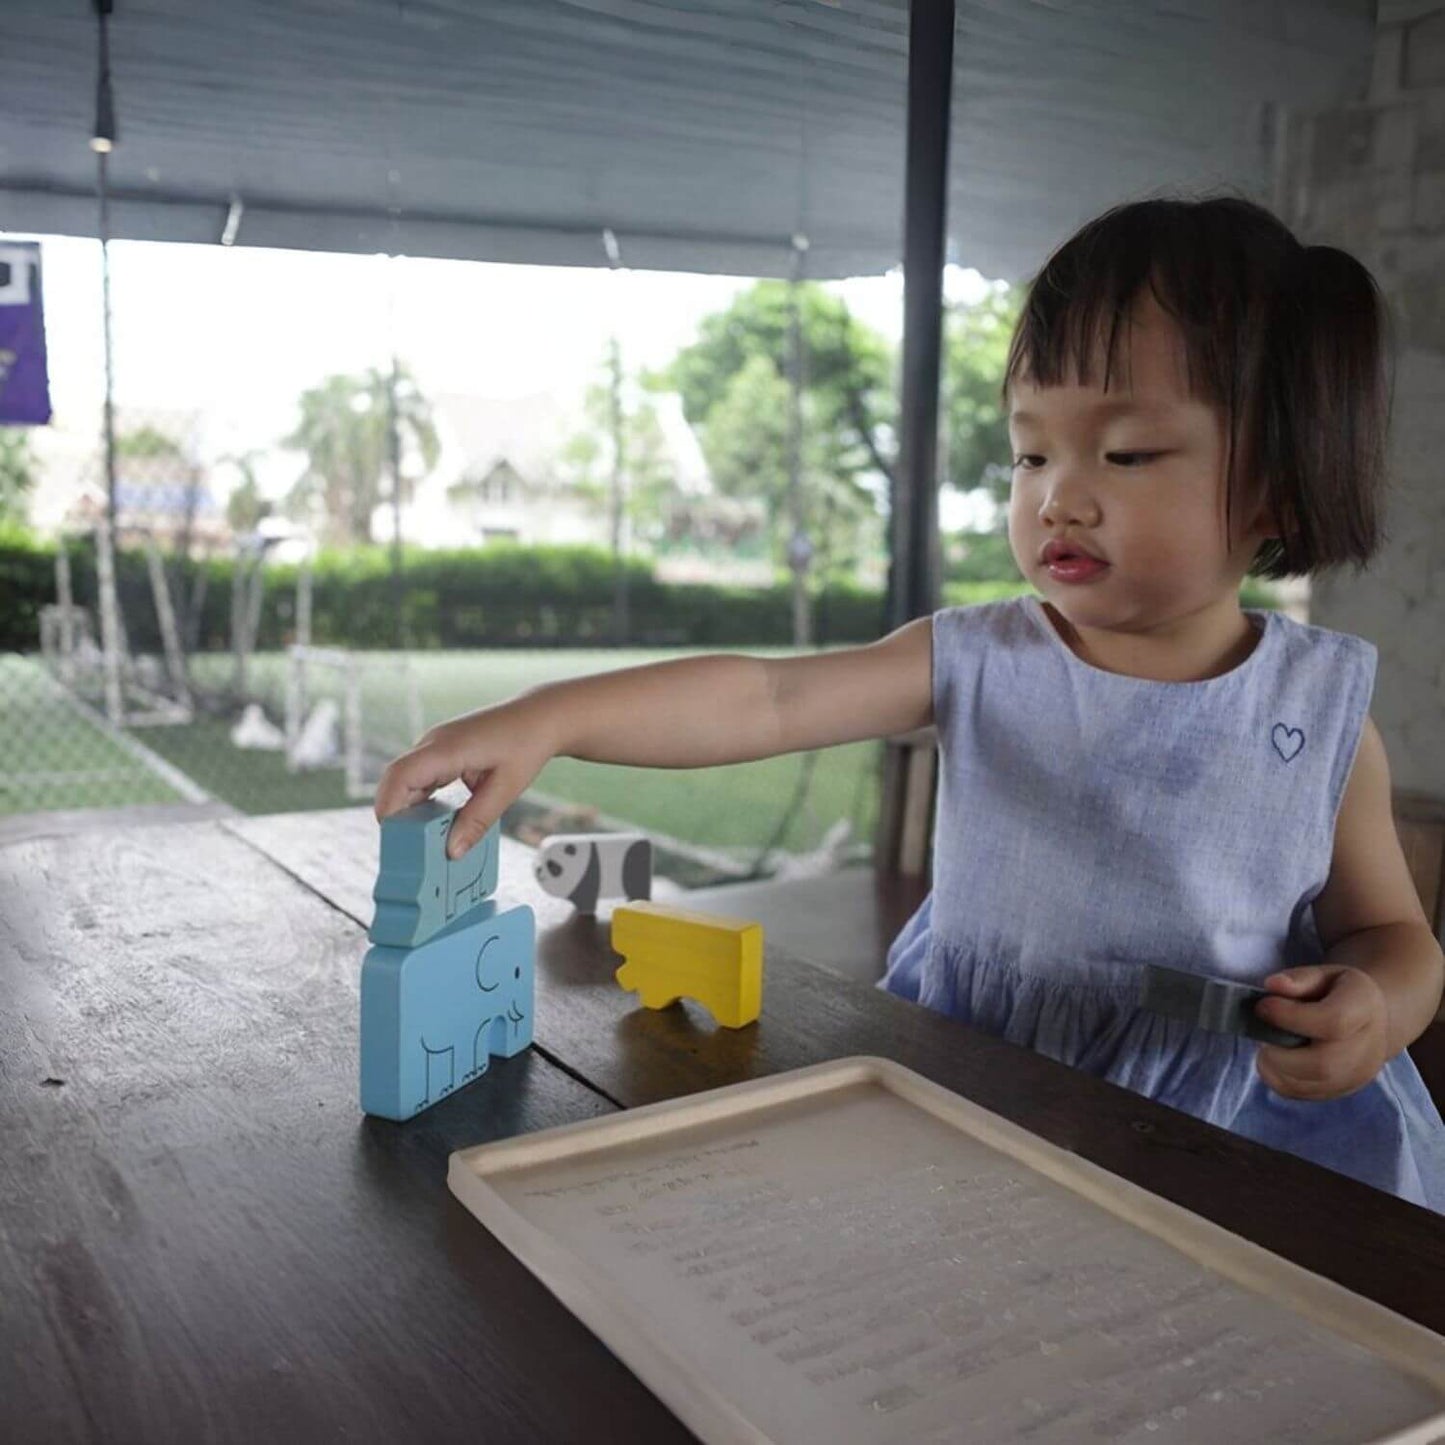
[(703, 133)]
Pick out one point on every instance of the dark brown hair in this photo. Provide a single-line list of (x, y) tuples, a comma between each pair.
[(1289, 341)]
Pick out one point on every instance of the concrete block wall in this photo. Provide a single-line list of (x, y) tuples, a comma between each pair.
[(1370, 176)]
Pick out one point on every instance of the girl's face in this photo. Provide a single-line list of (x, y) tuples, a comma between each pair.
[(1134, 477)]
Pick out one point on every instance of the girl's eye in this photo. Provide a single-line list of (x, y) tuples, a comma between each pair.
[(1133, 459), (1028, 462)]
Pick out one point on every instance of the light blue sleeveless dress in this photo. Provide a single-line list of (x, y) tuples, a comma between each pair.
[(1089, 823)]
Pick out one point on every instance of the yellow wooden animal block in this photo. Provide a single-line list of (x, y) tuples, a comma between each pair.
[(671, 953)]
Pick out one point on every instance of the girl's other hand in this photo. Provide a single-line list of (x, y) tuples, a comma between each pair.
[(496, 752), (1343, 1011)]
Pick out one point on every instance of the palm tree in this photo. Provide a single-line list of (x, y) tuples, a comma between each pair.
[(345, 431)]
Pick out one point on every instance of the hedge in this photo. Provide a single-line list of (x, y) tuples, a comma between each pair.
[(27, 583), (503, 595)]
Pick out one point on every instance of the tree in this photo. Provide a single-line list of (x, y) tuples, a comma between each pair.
[(850, 398), (736, 386), (847, 368), (746, 443), (19, 472), (619, 460), (344, 430), (985, 556), (976, 342), (246, 507), (149, 444), (745, 435)]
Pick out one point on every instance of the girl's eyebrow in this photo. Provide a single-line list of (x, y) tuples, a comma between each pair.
[(1109, 408)]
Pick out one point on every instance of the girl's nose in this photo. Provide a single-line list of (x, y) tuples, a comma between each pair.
[(1068, 500)]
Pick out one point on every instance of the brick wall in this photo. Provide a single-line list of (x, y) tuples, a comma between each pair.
[(1370, 176)]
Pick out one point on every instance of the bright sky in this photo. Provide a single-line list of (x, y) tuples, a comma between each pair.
[(240, 333)]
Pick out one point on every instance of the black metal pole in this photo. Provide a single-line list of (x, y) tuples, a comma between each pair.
[(108, 413), (913, 571), (913, 580), (102, 138)]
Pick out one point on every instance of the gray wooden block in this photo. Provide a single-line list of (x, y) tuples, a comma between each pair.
[(1218, 1004)]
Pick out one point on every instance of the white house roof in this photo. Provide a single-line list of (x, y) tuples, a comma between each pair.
[(528, 432)]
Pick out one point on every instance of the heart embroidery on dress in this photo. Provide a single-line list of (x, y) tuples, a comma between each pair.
[(1287, 741)]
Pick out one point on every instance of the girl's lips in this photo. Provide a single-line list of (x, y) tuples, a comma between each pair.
[(1077, 569)]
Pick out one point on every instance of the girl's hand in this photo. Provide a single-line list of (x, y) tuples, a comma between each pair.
[(1344, 1011), (495, 751)]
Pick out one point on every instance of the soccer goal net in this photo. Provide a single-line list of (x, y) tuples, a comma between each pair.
[(349, 710)]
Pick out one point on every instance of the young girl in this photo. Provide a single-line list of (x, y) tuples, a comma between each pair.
[(1133, 769)]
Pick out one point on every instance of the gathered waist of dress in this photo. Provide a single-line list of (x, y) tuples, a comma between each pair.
[(1116, 978)]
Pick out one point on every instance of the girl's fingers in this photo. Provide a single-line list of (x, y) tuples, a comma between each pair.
[(1284, 1071), (1312, 981), (1305, 1001), (467, 749), (1313, 1020), (1337, 1005), (412, 778), (479, 812), (1297, 1088)]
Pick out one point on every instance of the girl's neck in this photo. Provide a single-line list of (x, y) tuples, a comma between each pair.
[(1200, 647)]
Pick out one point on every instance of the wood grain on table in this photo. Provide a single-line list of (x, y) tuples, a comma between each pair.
[(201, 1237)]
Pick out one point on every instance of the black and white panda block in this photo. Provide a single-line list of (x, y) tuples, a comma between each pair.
[(586, 867)]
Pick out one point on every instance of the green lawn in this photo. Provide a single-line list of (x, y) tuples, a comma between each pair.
[(737, 808), (53, 756)]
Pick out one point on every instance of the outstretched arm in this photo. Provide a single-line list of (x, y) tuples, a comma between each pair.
[(689, 713)]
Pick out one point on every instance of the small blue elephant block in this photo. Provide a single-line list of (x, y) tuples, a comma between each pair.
[(433, 1016), (419, 890)]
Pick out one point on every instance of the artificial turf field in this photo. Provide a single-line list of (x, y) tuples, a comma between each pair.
[(54, 755)]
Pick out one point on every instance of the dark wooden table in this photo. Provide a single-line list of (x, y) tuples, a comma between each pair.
[(201, 1238)]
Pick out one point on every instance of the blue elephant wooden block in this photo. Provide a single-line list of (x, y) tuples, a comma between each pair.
[(419, 890), (433, 1016)]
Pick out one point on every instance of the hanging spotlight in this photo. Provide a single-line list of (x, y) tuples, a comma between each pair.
[(609, 244), (103, 134)]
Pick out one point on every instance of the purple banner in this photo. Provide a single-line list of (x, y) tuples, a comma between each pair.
[(24, 387)]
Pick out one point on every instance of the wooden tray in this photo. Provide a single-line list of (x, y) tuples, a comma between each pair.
[(851, 1253)]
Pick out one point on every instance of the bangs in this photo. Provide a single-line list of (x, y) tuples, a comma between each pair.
[(1074, 326)]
